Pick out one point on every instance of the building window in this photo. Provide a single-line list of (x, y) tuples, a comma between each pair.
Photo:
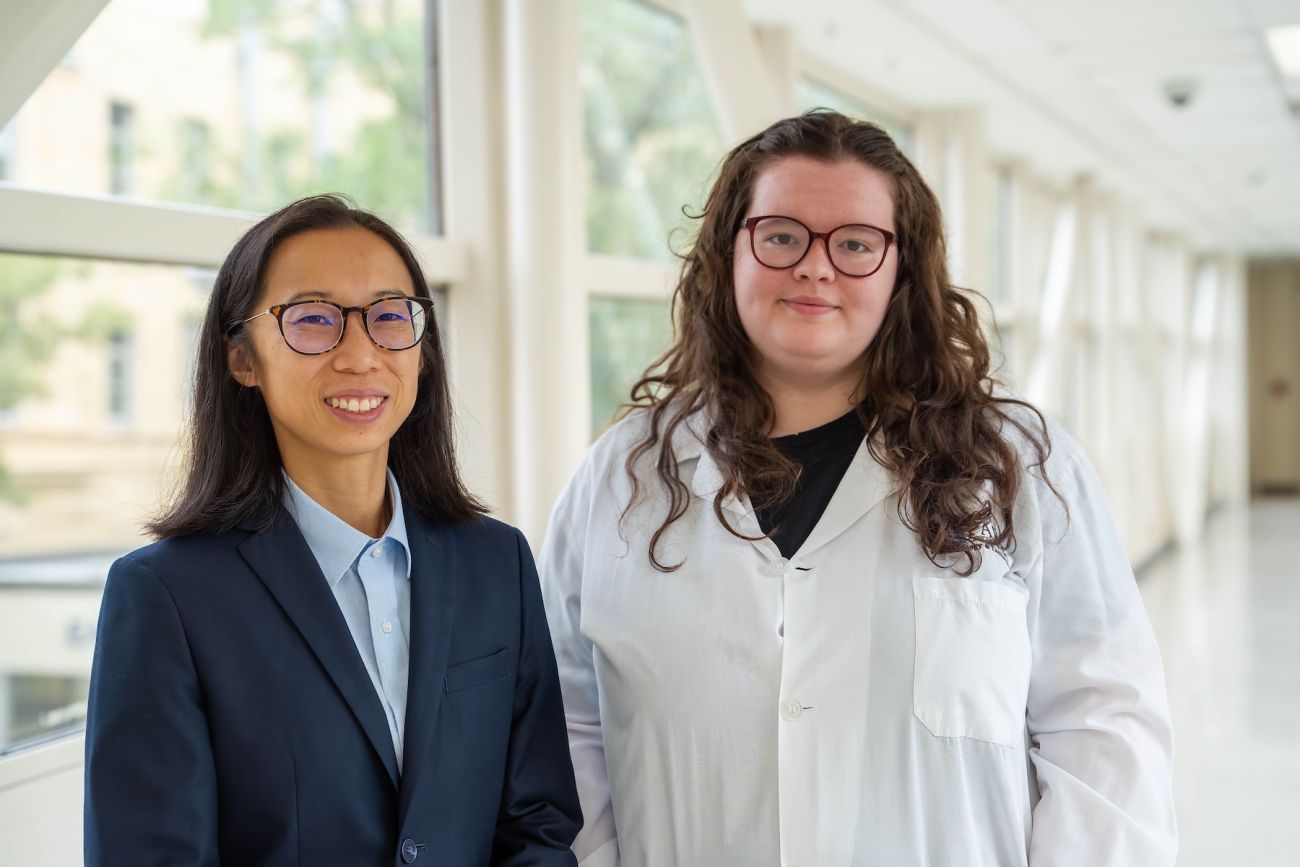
[(121, 148), (120, 393), (7, 152), (195, 159)]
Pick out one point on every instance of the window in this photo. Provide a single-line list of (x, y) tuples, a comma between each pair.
[(7, 137), (999, 234), (196, 160), (244, 104), (651, 141), (626, 335), (121, 149), (76, 479), (119, 366)]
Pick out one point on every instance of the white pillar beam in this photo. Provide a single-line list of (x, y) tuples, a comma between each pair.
[(747, 94), (473, 163), (545, 231), (33, 40)]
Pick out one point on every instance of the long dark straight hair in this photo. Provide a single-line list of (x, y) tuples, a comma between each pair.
[(232, 475)]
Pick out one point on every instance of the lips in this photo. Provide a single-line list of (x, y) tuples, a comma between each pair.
[(809, 305)]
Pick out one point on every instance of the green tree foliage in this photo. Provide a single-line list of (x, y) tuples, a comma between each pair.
[(650, 134), (25, 341)]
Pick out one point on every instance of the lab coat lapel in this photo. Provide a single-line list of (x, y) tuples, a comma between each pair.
[(282, 560), (433, 599), (864, 485)]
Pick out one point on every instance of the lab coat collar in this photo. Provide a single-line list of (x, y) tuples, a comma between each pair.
[(865, 484)]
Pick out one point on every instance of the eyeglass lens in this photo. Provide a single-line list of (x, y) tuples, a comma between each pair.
[(780, 242), (314, 327)]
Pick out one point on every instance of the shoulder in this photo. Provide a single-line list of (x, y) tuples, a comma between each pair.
[(1042, 444), (178, 568), (622, 438), (486, 532), (179, 557)]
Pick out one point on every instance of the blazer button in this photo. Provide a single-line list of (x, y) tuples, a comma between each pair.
[(409, 851)]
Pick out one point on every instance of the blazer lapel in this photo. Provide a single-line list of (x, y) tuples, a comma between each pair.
[(282, 560), (433, 600)]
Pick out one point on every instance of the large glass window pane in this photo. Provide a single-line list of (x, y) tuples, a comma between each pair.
[(625, 336), (237, 103), (651, 140), (813, 93), (93, 358)]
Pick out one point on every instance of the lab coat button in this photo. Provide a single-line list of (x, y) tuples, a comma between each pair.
[(777, 567), (409, 851), (791, 709)]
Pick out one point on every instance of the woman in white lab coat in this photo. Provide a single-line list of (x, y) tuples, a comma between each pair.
[(830, 596)]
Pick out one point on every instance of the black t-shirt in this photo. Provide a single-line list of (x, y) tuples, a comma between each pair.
[(825, 454)]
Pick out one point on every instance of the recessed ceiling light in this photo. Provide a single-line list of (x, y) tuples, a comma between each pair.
[(1284, 42)]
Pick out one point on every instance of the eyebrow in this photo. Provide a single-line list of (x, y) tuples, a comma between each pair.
[(318, 295)]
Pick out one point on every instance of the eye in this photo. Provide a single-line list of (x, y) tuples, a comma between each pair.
[(314, 319), (391, 317), (781, 239), (855, 246)]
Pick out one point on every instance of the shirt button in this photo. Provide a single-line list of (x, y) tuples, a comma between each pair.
[(377, 550), (790, 709), (387, 625), (777, 567)]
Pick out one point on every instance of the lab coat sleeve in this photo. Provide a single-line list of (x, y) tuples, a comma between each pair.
[(1101, 743), (561, 563)]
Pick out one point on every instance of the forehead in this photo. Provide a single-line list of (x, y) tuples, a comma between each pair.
[(824, 194), (344, 264)]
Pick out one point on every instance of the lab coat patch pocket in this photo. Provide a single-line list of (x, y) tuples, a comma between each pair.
[(971, 675)]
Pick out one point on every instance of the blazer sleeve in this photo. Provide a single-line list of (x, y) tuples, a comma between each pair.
[(561, 565), (1101, 742), (150, 788), (539, 814)]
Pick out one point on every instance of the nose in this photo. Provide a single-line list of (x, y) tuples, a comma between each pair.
[(816, 263), (356, 352)]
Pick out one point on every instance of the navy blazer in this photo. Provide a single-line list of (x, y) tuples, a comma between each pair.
[(231, 719)]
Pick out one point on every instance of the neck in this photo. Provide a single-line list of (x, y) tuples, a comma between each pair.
[(802, 405), (355, 491)]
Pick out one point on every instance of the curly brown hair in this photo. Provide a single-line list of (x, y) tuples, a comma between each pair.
[(925, 398)]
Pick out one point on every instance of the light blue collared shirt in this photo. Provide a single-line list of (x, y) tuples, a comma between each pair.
[(371, 580)]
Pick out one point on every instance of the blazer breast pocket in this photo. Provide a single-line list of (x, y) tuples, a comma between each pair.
[(478, 672), (971, 675)]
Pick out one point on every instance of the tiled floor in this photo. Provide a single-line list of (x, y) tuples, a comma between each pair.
[(1227, 614)]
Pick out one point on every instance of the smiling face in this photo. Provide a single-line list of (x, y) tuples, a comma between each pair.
[(811, 324), (345, 404)]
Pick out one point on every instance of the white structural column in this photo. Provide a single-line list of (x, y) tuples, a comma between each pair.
[(747, 92), (34, 37), (951, 155), (549, 383), (471, 103), (1193, 478), (1053, 339)]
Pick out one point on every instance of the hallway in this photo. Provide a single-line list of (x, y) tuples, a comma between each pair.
[(1227, 614)]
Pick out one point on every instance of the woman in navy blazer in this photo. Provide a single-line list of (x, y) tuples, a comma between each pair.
[(331, 657)]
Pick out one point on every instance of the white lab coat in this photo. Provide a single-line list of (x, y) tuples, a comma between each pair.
[(856, 704)]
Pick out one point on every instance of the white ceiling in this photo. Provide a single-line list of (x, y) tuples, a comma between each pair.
[(1078, 88)]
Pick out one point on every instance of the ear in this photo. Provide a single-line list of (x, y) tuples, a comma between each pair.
[(239, 361)]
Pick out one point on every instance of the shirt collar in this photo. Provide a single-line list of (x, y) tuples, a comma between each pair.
[(335, 543)]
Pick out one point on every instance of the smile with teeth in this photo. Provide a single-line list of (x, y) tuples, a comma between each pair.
[(353, 404)]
